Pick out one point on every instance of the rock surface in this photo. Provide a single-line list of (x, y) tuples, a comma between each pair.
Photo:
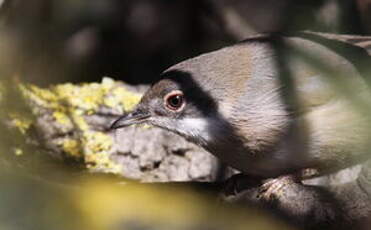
[(71, 123)]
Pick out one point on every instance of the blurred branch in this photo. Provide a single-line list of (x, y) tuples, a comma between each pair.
[(336, 206), (232, 24), (364, 7)]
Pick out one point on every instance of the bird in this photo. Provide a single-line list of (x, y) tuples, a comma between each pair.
[(271, 105)]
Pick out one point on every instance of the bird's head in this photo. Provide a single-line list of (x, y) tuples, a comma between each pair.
[(176, 103)]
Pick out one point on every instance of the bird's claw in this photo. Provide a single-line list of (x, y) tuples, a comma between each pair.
[(274, 188)]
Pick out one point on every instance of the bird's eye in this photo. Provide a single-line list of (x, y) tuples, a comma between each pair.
[(174, 100)]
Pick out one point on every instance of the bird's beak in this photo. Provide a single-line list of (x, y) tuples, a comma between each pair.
[(135, 117)]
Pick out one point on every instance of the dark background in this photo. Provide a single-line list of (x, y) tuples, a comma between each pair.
[(135, 40)]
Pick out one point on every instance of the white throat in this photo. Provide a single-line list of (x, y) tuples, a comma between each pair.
[(198, 129)]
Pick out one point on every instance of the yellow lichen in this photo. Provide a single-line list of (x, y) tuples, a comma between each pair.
[(70, 104), (86, 96), (102, 162), (130, 99), (43, 93), (122, 98), (97, 142), (79, 120), (21, 122), (42, 97), (72, 148), (97, 152), (62, 118)]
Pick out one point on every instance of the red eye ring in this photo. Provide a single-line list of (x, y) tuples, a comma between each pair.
[(174, 100)]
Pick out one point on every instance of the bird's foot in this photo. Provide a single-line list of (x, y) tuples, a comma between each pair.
[(274, 188), (239, 182)]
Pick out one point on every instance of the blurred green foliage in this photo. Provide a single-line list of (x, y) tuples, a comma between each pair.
[(99, 204)]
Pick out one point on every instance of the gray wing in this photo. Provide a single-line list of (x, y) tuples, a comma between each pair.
[(329, 67), (334, 95), (363, 42)]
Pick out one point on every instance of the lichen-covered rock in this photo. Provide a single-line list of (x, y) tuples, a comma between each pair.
[(161, 156), (71, 122)]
